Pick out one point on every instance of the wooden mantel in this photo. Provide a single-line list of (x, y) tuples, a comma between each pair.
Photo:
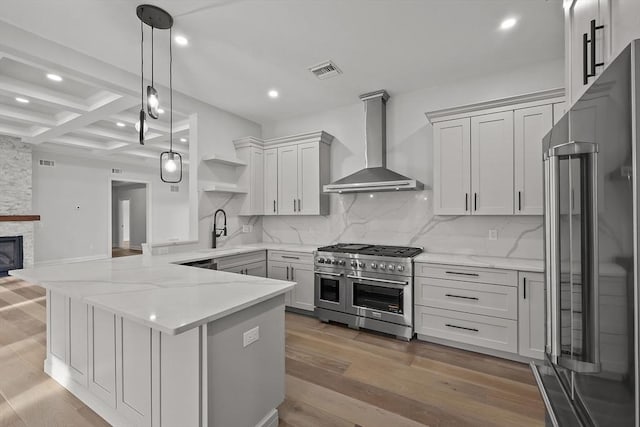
[(4, 218)]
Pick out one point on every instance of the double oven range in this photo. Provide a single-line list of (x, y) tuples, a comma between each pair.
[(366, 286)]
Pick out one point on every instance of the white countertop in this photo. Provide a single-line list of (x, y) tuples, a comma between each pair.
[(155, 291)]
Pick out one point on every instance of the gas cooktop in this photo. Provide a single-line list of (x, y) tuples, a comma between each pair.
[(375, 250)]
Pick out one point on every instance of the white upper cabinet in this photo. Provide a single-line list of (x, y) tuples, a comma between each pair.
[(452, 167), (487, 157), (271, 181), (492, 164), (285, 175), (587, 43), (288, 180), (530, 126)]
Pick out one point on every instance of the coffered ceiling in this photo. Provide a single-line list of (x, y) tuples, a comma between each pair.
[(240, 49)]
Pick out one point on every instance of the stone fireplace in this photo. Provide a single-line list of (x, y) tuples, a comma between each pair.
[(15, 197)]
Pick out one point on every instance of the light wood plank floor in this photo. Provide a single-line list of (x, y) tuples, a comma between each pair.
[(335, 377)]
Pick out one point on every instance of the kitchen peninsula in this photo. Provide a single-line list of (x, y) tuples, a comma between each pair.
[(145, 341)]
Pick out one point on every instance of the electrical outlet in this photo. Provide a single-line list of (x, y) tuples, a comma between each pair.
[(251, 336), (493, 234), (247, 228)]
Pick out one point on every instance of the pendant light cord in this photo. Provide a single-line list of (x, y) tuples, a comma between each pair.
[(152, 80), (141, 66), (170, 91)]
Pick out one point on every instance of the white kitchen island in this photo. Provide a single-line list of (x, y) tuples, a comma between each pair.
[(146, 342)]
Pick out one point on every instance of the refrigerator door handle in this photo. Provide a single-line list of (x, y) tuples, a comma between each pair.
[(589, 362)]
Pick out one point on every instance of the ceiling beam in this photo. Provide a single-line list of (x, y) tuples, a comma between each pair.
[(120, 104), (25, 116), (14, 131), (13, 87)]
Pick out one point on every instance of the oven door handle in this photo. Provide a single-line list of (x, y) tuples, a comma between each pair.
[(373, 279), (322, 273)]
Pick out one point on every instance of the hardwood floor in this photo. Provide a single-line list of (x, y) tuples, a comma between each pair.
[(335, 377), (118, 252)]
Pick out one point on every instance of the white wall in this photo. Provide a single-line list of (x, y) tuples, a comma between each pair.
[(74, 197), (407, 217)]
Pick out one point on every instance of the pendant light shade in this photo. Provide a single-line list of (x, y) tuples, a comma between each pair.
[(171, 167), (170, 161)]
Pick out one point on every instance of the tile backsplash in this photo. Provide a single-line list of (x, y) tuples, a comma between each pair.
[(406, 218)]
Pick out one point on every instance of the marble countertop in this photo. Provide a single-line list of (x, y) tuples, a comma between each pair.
[(157, 292)]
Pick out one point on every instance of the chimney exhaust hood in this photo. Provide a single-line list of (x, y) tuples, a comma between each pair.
[(375, 176)]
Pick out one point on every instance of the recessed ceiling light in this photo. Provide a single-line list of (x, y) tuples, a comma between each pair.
[(181, 40), (22, 100), (508, 23), (273, 93), (160, 110), (120, 124), (183, 139), (54, 77)]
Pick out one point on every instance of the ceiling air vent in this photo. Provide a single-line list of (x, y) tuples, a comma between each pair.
[(116, 170), (175, 188), (50, 163), (325, 70)]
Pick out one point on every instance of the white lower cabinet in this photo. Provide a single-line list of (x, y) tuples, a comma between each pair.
[(296, 267), (102, 355), (78, 340), (496, 311), (252, 264), (531, 324)]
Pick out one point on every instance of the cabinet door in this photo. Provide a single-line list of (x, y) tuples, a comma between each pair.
[(492, 164), (102, 355), (308, 179), (258, 269), (280, 271), (238, 269), (559, 110), (256, 189), (78, 340), (287, 180), (578, 22), (451, 167), (303, 293), (530, 125), (531, 322), (271, 181)]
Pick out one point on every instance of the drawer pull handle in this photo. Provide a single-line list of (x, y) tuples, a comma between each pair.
[(460, 296), (461, 327), (463, 274), (289, 257)]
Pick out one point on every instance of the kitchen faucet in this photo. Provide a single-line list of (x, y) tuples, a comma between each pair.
[(223, 231)]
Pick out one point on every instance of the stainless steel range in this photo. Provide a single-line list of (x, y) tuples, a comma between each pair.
[(366, 286)]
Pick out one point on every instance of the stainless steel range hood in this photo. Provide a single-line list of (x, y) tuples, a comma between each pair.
[(375, 176)]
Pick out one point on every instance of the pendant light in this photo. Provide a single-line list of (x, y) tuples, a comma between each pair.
[(170, 161)]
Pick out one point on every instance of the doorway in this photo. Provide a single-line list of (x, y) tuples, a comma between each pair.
[(128, 217)]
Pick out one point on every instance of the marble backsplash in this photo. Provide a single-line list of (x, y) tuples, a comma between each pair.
[(209, 203), (406, 218)]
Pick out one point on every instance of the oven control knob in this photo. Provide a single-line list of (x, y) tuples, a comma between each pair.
[(334, 262), (391, 267), (374, 265), (341, 262), (361, 264), (382, 266), (354, 264), (400, 268), (321, 260)]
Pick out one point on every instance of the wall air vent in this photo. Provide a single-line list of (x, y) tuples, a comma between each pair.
[(325, 70), (49, 163), (175, 188), (116, 170)]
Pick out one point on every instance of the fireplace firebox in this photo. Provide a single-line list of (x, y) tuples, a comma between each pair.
[(11, 255)]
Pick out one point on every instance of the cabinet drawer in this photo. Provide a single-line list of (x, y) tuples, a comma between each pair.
[(228, 262), (468, 274), (476, 298), (295, 257), (482, 331)]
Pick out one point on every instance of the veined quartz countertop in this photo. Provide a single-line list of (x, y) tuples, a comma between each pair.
[(156, 291)]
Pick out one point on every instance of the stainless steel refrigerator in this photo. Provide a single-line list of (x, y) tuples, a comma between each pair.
[(590, 375)]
